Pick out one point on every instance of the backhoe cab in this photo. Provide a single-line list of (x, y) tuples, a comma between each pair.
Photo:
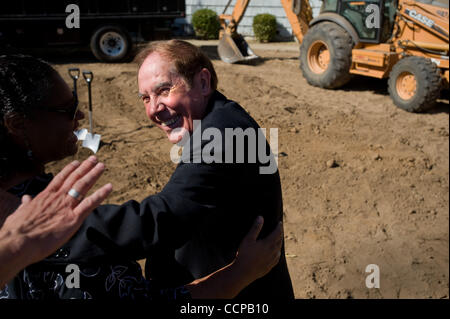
[(406, 41)]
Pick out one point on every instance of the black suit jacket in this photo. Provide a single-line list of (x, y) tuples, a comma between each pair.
[(195, 224), (230, 196)]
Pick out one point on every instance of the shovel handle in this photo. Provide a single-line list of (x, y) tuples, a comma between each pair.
[(91, 124), (74, 73), (88, 76)]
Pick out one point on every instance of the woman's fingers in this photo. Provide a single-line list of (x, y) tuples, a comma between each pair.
[(83, 185), (26, 199), (59, 179), (274, 242), (92, 202), (77, 174), (256, 229), (276, 236)]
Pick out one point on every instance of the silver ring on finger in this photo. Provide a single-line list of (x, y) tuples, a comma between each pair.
[(75, 194)]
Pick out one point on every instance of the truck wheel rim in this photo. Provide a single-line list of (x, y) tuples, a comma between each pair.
[(406, 85), (318, 57), (112, 43)]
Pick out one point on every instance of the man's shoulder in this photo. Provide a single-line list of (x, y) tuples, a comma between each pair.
[(226, 113)]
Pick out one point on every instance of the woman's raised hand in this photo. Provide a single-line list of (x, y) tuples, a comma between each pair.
[(41, 225)]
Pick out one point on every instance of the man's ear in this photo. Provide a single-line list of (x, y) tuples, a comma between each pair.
[(205, 81), (15, 124)]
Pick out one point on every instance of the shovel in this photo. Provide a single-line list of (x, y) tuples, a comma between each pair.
[(74, 73), (91, 140)]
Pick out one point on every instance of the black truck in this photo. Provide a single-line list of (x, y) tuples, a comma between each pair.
[(110, 27)]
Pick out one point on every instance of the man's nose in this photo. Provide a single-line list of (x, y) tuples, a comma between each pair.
[(155, 106)]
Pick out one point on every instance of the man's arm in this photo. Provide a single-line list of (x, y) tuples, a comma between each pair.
[(167, 219)]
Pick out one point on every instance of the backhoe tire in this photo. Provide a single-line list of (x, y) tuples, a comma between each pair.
[(415, 84), (326, 55)]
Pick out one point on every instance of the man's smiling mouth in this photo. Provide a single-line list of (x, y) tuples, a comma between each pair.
[(170, 122)]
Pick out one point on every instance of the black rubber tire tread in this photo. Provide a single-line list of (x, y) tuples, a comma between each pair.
[(100, 55), (340, 45), (428, 87)]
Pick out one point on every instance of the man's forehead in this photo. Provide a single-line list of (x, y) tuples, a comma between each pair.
[(156, 68), (154, 77), (155, 62)]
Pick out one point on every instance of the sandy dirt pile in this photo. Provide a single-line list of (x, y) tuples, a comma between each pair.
[(363, 181)]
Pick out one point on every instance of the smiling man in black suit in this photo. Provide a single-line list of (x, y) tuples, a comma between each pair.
[(227, 175)]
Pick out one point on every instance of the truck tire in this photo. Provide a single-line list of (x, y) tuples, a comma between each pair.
[(415, 84), (111, 43), (326, 56)]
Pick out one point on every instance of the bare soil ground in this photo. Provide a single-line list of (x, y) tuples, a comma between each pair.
[(385, 202)]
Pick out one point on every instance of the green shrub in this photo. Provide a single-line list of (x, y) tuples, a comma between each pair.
[(264, 27), (206, 24)]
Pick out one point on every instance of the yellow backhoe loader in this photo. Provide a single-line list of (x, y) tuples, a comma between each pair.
[(406, 41)]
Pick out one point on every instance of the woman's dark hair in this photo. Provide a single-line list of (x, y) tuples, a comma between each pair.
[(24, 83)]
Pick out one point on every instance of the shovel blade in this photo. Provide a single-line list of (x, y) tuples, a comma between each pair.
[(234, 49), (81, 134), (92, 141)]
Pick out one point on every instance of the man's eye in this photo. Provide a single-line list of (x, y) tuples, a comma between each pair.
[(164, 91), (145, 99)]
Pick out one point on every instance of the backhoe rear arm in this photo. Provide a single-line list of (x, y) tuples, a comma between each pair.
[(298, 12)]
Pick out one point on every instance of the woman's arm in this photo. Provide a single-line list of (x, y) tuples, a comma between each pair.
[(40, 226), (254, 259)]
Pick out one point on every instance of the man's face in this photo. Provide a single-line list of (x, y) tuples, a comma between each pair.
[(169, 101)]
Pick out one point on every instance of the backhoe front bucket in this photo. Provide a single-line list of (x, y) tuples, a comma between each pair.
[(234, 49)]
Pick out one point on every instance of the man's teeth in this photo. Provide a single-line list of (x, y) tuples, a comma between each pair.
[(171, 121)]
